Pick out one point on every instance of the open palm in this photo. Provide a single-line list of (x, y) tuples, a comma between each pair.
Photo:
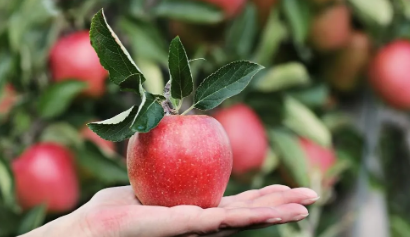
[(116, 212)]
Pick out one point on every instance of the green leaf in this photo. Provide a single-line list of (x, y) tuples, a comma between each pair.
[(226, 82), (189, 11), (62, 133), (375, 11), (298, 14), (292, 155), (9, 221), (241, 34), (181, 78), (314, 96), (7, 183), (56, 99), (273, 34), (283, 76), (149, 114), (33, 219), (118, 128), (145, 41), (107, 170), (304, 122), (114, 56)]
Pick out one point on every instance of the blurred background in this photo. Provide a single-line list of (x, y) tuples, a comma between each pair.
[(329, 111)]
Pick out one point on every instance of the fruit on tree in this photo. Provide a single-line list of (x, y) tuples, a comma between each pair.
[(73, 57), (7, 99), (247, 136), (344, 69), (330, 29), (229, 7), (319, 159), (264, 8), (106, 146), (390, 73), (184, 160), (45, 174)]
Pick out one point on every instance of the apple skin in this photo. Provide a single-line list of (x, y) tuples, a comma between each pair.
[(45, 173), (247, 136), (73, 57), (7, 99), (390, 73), (230, 7), (344, 69), (185, 160), (319, 158), (106, 146), (330, 29)]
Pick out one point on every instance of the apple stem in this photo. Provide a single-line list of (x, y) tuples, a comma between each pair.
[(189, 109), (167, 104)]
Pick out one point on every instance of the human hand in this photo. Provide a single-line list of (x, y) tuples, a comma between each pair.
[(116, 212)]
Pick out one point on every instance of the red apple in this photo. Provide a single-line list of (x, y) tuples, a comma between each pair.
[(107, 146), (73, 57), (330, 29), (343, 70), (185, 160), (264, 8), (230, 7), (390, 73), (7, 99), (45, 173), (247, 136), (319, 158)]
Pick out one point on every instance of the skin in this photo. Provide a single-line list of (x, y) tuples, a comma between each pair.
[(230, 7), (330, 28), (247, 136), (57, 187), (184, 160), (73, 57), (115, 212), (389, 73)]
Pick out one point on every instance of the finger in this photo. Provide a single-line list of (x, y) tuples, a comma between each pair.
[(116, 196), (252, 194), (291, 212), (303, 196)]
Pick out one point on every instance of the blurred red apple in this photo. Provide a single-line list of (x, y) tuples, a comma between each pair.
[(330, 29), (344, 69), (247, 136), (185, 160), (230, 7), (45, 174), (390, 73), (319, 158), (7, 99), (107, 146), (73, 57), (264, 8)]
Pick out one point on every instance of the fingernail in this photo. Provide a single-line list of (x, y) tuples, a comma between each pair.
[(273, 220), (310, 200), (300, 217)]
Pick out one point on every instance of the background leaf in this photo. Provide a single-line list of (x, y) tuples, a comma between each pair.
[(33, 219), (305, 123), (56, 99), (282, 77), (299, 17), (7, 183), (180, 71), (227, 81), (376, 11), (189, 11)]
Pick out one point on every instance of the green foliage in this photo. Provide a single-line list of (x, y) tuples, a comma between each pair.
[(33, 219)]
